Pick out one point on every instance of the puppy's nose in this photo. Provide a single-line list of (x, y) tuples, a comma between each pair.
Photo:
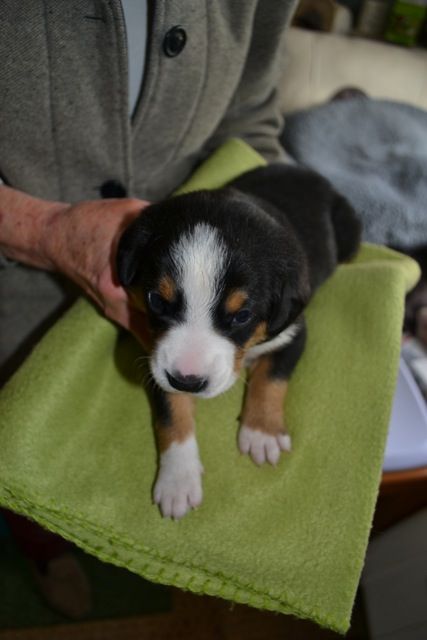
[(190, 384)]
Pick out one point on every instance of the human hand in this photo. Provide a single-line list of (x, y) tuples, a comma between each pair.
[(81, 242)]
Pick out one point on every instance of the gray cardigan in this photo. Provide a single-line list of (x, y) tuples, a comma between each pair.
[(64, 125)]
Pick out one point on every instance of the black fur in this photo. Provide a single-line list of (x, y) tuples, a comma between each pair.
[(324, 221)]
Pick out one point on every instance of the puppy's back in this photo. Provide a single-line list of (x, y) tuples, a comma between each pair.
[(325, 222)]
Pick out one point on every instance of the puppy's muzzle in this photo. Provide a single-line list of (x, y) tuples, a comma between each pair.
[(188, 384)]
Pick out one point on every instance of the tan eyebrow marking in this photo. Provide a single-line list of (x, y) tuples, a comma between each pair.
[(235, 300), (167, 288)]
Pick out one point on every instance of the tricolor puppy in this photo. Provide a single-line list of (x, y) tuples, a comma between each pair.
[(224, 277)]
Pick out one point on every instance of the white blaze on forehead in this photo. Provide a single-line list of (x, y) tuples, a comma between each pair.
[(200, 257), (193, 346)]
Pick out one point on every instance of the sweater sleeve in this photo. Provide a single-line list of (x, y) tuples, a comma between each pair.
[(254, 113)]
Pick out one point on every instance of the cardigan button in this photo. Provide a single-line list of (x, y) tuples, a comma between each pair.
[(174, 41), (112, 189)]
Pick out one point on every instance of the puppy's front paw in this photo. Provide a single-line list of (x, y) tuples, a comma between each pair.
[(178, 486), (261, 446), (177, 493)]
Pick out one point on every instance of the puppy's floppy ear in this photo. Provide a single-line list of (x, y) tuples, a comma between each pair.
[(132, 242), (287, 304)]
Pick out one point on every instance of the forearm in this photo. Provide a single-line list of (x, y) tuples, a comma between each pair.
[(78, 241), (24, 227)]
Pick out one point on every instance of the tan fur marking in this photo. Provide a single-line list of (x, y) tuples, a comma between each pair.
[(258, 336), (263, 406), (235, 300), (182, 421), (167, 288), (137, 300)]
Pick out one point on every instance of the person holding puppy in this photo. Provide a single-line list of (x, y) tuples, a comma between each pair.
[(107, 106)]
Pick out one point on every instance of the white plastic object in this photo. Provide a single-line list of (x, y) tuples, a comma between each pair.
[(407, 438)]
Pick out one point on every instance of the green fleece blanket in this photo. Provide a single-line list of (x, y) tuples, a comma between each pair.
[(77, 452)]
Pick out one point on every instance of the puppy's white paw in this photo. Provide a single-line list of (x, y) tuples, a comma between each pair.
[(178, 486), (263, 447)]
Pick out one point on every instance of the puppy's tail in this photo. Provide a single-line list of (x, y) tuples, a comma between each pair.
[(347, 228)]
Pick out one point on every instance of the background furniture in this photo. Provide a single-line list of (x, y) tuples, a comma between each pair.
[(317, 66)]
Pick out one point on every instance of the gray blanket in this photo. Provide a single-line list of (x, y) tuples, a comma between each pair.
[(375, 153)]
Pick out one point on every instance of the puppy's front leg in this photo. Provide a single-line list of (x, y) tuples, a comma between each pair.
[(178, 486), (263, 434)]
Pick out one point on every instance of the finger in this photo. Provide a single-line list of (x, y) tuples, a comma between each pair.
[(130, 205)]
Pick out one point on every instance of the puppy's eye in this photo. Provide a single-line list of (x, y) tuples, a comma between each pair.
[(157, 304), (241, 317)]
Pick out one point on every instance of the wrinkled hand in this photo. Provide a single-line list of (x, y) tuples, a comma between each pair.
[(81, 242)]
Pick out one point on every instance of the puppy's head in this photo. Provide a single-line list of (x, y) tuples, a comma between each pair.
[(216, 276)]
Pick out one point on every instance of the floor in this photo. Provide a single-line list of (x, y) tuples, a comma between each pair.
[(198, 617)]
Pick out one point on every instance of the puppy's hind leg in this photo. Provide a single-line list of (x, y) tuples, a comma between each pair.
[(263, 433), (178, 486)]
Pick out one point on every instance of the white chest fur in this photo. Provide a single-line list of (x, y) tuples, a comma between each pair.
[(281, 340)]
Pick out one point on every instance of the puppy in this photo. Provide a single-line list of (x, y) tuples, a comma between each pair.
[(224, 277)]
